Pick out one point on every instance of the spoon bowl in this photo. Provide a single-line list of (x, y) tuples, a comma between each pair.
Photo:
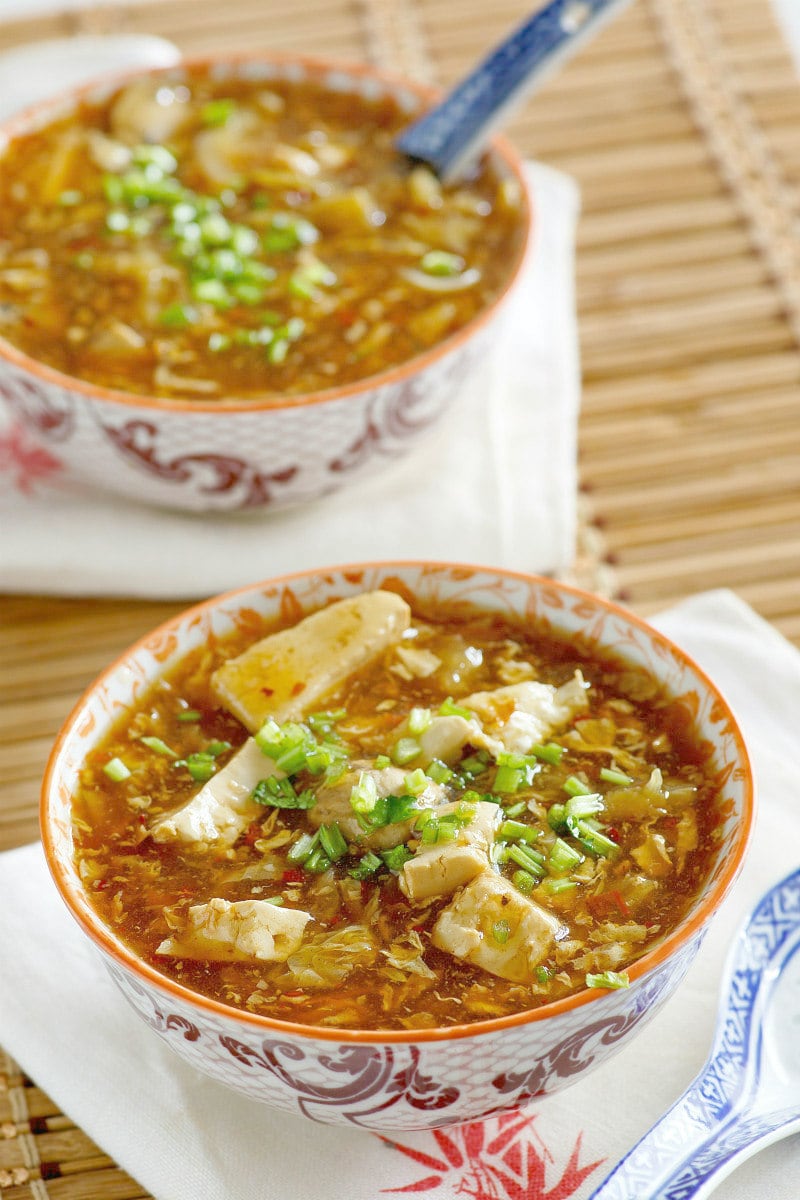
[(748, 1093)]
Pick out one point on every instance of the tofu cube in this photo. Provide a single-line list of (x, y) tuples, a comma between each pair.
[(222, 809), (493, 926), (238, 931), (440, 867), (283, 676)]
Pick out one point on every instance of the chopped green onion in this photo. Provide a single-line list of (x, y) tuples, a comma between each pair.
[(555, 886), (584, 805), (550, 753), (608, 979), (178, 316), (279, 793), (449, 708), (212, 291), (418, 721), (323, 722), (405, 750), (157, 156), (382, 761), (501, 931), (276, 900), (516, 810), (438, 771), (190, 715), (332, 841), (160, 746), (524, 881), (317, 861), (475, 764), (563, 858), (543, 974), (440, 262), (593, 839), (576, 787), (367, 866), (416, 782), (396, 857), (508, 779), (525, 858), (618, 777), (199, 765), (216, 748), (557, 816), (389, 810), (278, 349), (515, 831), (215, 230), (217, 112), (300, 850), (364, 794), (116, 770)]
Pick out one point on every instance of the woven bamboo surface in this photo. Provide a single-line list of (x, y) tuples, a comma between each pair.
[(681, 123)]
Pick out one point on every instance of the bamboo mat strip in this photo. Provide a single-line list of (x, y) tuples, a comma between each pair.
[(682, 125)]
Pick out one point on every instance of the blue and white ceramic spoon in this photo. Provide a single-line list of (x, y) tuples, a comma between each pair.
[(748, 1093), (449, 136)]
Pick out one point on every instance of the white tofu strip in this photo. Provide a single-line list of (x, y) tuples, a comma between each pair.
[(519, 716), (333, 804), (222, 809), (285, 675), (440, 868), (238, 931), (492, 925)]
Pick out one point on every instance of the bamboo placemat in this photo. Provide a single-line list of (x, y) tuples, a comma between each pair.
[(682, 125)]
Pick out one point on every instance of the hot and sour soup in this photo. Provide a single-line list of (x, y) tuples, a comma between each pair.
[(203, 238), (385, 819)]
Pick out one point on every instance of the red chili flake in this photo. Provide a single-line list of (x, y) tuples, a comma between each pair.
[(298, 688), (670, 822), (293, 993), (267, 691), (253, 833), (142, 819), (614, 833), (292, 875), (100, 885)]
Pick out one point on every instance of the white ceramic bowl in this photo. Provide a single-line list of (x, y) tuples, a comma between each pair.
[(422, 1078), (195, 455)]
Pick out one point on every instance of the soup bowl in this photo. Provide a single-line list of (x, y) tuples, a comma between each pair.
[(255, 451), (421, 1077)]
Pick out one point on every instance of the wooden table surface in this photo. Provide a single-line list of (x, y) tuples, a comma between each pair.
[(681, 123)]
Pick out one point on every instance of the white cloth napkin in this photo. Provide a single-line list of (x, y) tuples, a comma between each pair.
[(494, 482), (184, 1137)]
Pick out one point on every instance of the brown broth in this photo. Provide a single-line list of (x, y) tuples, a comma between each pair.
[(101, 280), (366, 933)]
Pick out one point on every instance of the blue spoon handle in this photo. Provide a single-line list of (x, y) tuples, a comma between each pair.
[(452, 134)]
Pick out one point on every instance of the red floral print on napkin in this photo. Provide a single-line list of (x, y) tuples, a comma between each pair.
[(495, 1160), (26, 462)]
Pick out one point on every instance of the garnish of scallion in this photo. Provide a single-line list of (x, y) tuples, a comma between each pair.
[(116, 770)]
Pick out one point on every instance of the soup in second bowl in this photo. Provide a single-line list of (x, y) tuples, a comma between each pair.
[(201, 237), (379, 818)]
